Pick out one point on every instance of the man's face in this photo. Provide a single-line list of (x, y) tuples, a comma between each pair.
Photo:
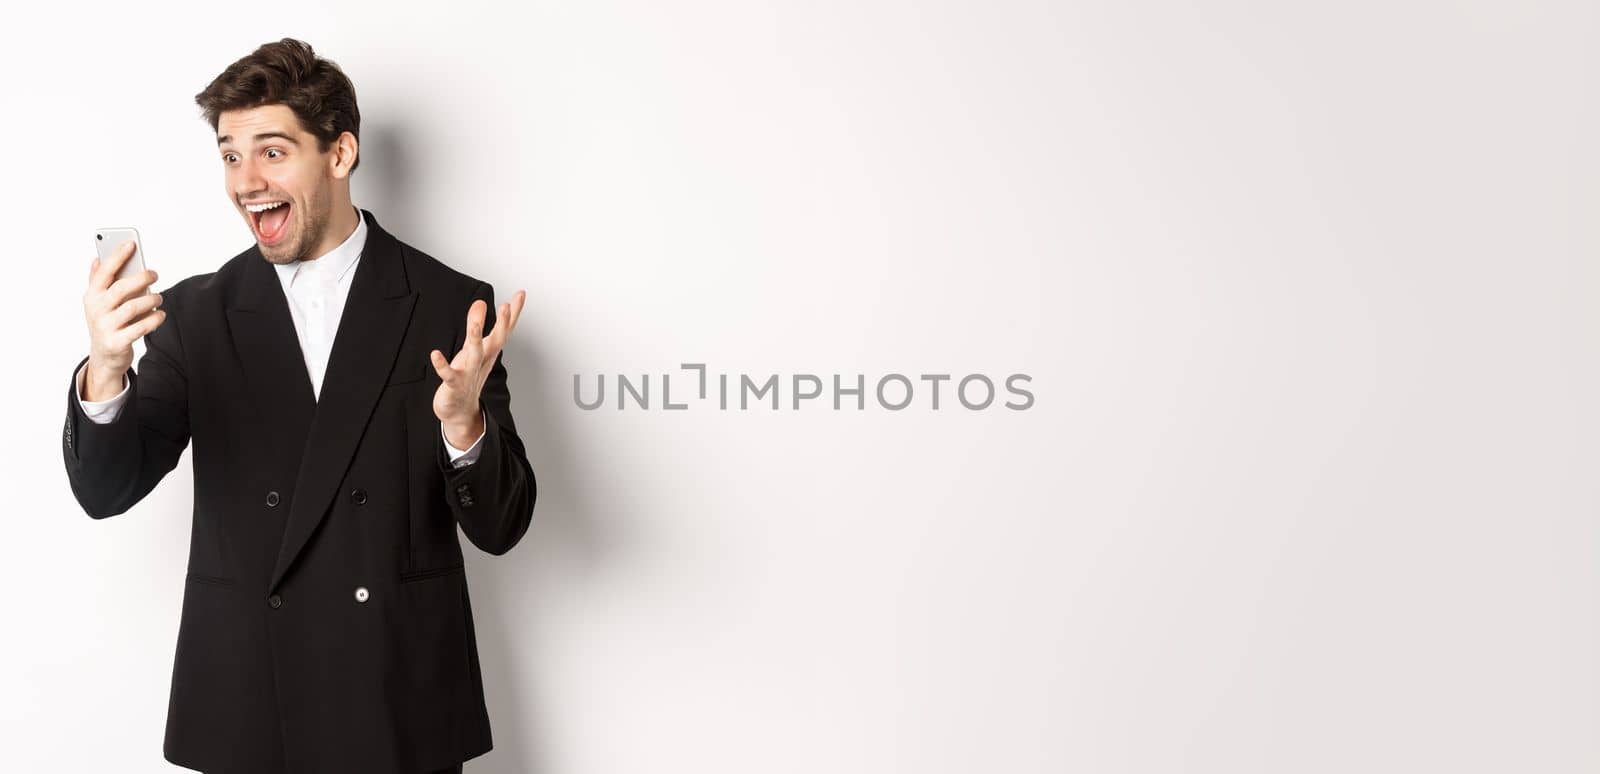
[(282, 184)]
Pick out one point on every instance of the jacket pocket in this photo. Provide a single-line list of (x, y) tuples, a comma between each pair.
[(406, 373), (433, 572), (212, 580)]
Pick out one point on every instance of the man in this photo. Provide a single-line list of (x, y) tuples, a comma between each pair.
[(326, 626)]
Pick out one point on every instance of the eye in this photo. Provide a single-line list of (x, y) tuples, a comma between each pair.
[(230, 157), (271, 151)]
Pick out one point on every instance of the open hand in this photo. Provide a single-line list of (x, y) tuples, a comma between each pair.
[(462, 378)]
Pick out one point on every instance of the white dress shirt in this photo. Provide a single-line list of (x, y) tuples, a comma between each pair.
[(316, 290)]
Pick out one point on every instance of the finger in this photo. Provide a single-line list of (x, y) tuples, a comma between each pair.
[(441, 366), (472, 348), (497, 337), (513, 312), (516, 311), (493, 343), (134, 309), (128, 287), (507, 321), (108, 268), (141, 328), (491, 350), (475, 314)]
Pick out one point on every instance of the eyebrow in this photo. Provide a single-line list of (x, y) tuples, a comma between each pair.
[(262, 136)]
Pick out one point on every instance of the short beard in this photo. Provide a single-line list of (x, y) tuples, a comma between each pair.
[(311, 224)]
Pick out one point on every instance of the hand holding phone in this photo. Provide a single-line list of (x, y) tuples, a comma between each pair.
[(119, 309), (106, 242)]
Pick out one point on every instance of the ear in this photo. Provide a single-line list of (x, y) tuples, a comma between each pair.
[(343, 156)]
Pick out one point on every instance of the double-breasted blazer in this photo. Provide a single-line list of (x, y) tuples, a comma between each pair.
[(326, 626)]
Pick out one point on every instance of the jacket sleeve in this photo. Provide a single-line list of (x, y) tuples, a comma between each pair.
[(492, 498), (112, 466)]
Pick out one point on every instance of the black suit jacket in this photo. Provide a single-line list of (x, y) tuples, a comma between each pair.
[(326, 626)]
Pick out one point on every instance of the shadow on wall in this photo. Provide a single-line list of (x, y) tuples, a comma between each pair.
[(387, 187), (565, 544)]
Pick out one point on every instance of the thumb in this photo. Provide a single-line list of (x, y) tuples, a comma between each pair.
[(441, 366)]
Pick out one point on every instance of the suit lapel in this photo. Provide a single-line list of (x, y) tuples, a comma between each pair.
[(277, 384), (376, 315)]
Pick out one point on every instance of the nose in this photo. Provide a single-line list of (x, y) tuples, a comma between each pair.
[(246, 180)]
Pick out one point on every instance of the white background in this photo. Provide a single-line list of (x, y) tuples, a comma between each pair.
[(1305, 290)]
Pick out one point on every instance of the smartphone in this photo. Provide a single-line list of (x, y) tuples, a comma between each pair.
[(105, 244)]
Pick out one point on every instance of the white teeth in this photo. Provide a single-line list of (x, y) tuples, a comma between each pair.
[(261, 207)]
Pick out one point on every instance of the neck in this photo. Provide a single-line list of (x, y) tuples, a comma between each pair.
[(340, 227)]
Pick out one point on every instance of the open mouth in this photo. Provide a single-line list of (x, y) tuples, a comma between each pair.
[(270, 220)]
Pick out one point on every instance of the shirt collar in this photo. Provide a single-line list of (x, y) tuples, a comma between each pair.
[(337, 261)]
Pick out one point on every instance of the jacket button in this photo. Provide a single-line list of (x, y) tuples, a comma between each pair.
[(361, 594), (272, 502), (275, 601), (360, 496)]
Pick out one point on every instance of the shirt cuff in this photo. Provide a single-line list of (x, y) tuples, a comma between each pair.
[(459, 458), (101, 412)]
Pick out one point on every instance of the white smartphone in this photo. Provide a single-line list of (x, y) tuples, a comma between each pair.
[(105, 244)]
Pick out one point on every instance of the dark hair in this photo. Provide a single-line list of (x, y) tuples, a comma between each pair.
[(289, 73)]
